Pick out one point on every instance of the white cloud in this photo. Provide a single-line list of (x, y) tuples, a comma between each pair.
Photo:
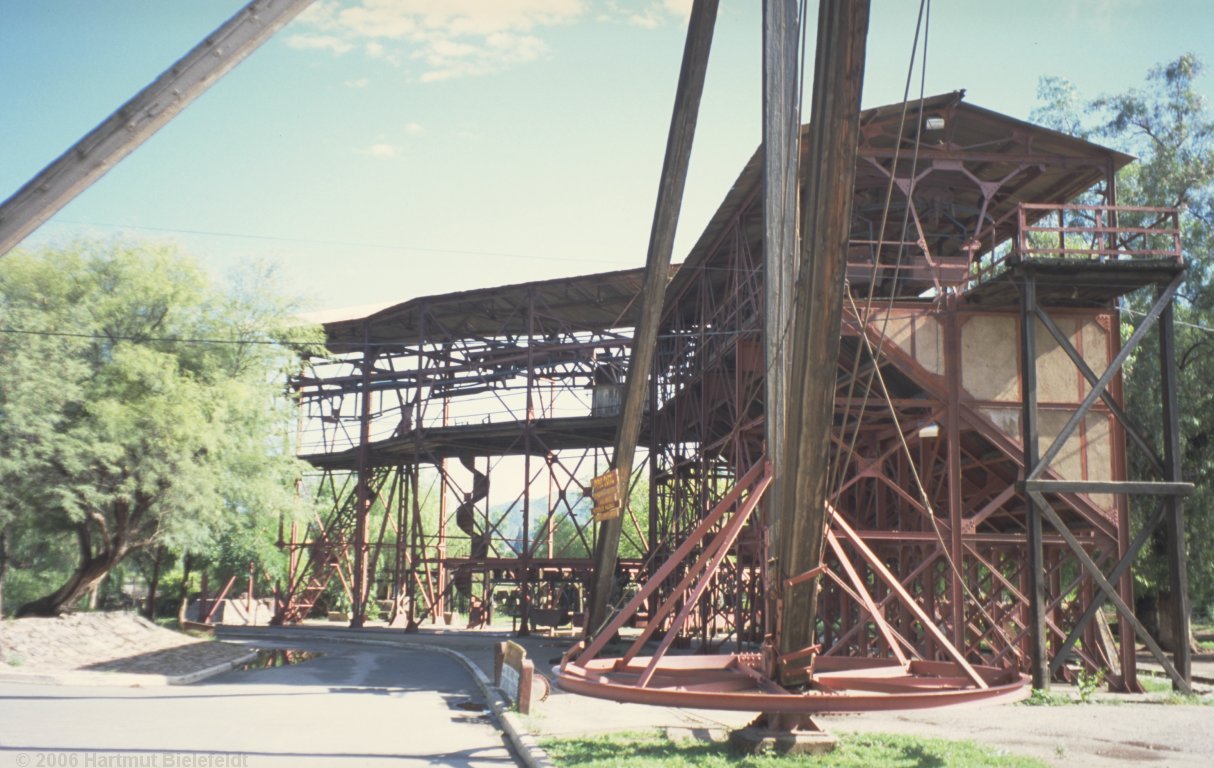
[(319, 43), (360, 82), (414, 129), (647, 14), (448, 38), (382, 149)]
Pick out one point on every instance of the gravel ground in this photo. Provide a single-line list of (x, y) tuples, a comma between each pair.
[(106, 642)]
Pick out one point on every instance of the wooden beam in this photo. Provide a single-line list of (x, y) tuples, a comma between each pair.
[(833, 140), (1178, 580), (657, 269), (781, 152), (146, 112)]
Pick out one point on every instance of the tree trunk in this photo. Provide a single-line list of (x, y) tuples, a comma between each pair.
[(3, 567), (86, 577), (185, 589), (150, 610), (1166, 633)]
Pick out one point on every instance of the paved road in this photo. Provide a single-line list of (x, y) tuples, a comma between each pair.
[(354, 705)]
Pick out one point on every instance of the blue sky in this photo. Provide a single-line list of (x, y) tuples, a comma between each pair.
[(383, 149)]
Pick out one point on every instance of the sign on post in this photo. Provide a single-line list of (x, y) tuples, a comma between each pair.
[(605, 490), (515, 674)]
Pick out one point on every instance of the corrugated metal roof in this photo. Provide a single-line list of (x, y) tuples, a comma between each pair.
[(587, 302), (1062, 167)]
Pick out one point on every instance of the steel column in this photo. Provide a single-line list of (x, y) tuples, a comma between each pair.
[(1177, 571), (1039, 654)]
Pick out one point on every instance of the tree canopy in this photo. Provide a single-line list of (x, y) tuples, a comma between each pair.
[(1168, 126), (140, 405)]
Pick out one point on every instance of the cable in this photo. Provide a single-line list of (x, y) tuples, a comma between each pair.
[(317, 241), (157, 339), (1194, 326)]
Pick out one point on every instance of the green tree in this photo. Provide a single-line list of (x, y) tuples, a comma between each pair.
[(1168, 126), (140, 406)]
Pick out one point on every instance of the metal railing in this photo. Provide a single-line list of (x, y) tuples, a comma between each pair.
[(1095, 233)]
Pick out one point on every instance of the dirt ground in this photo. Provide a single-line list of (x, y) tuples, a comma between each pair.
[(105, 642), (1114, 733)]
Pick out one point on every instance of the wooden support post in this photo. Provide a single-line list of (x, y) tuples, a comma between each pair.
[(781, 150), (1038, 655), (657, 271), (818, 305)]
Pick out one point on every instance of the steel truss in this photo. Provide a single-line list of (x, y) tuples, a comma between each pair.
[(935, 550), (413, 438), (963, 544)]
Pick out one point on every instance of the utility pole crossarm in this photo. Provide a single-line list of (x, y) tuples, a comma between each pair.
[(134, 122)]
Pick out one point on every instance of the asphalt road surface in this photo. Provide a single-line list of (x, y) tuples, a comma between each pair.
[(353, 705)]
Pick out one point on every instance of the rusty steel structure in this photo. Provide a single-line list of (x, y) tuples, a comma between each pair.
[(419, 413), (985, 262), (977, 522)]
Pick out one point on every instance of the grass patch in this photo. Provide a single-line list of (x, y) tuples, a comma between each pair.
[(1043, 698), (1188, 699), (1152, 684), (877, 750)]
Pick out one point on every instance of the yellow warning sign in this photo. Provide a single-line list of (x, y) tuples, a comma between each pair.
[(605, 490)]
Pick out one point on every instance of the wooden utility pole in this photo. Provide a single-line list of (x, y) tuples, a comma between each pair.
[(145, 113), (817, 307), (781, 151), (657, 271)]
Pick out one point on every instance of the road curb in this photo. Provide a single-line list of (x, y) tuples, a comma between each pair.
[(524, 744), (125, 679)]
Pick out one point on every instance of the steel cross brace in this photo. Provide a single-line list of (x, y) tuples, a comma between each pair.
[(1100, 386), (1110, 591), (1098, 600)]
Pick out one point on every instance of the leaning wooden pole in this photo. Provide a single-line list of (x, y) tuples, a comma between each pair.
[(817, 306), (657, 270), (781, 150), (146, 112)]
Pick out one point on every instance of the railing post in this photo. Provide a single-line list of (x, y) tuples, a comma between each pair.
[(1020, 244), (1061, 232)]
